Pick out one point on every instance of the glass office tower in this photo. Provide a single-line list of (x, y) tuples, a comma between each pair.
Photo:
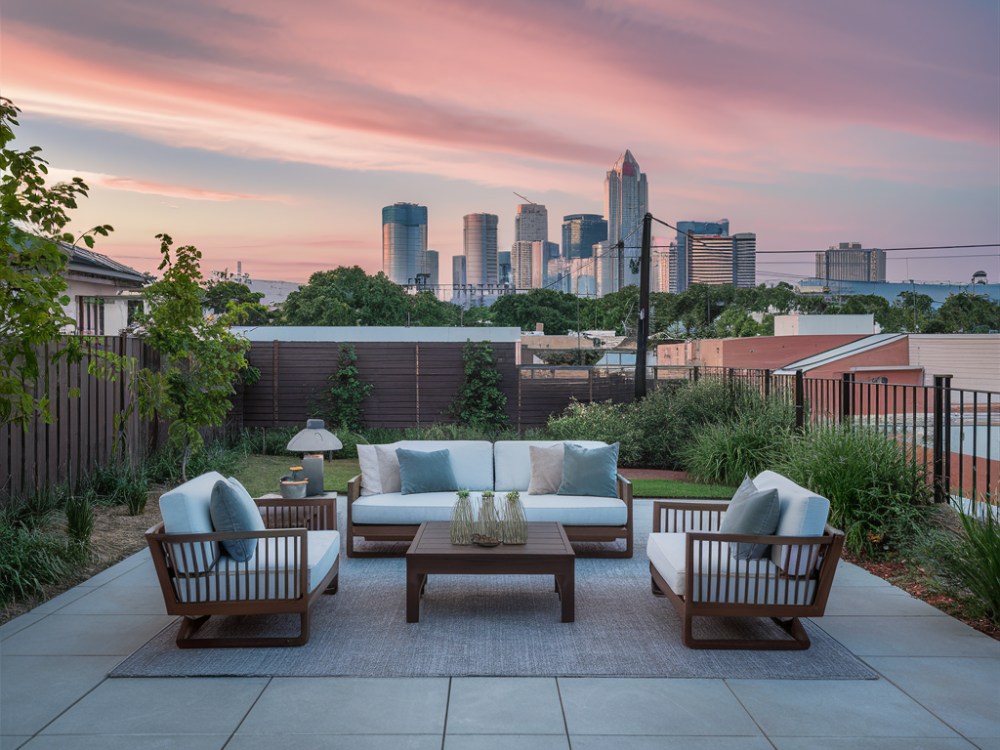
[(680, 260), (404, 241), (625, 204), (480, 233), (580, 232), (531, 223)]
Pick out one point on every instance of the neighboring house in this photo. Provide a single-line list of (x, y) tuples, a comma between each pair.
[(103, 293)]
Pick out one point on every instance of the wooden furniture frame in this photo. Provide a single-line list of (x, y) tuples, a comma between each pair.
[(700, 520), (287, 521), (547, 552), (406, 533)]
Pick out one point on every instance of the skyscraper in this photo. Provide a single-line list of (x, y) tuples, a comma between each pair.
[(503, 264), (717, 259), (606, 269), (520, 265), (745, 260), (625, 205), (680, 262), (480, 234), (580, 232), (458, 271), (531, 223), (404, 241), (431, 269), (848, 261)]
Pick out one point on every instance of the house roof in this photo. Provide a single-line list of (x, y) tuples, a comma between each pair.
[(840, 352), (83, 260)]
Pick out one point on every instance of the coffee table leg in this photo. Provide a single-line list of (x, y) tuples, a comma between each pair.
[(566, 585), (414, 585)]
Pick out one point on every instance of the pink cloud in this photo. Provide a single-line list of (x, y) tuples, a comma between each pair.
[(111, 182)]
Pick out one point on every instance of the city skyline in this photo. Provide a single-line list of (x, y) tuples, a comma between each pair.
[(274, 135)]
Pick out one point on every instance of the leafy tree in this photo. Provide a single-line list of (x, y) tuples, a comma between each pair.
[(342, 404), (219, 295), (32, 221), (555, 310), (480, 402), (965, 313), (200, 356), (427, 310), (735, 322)]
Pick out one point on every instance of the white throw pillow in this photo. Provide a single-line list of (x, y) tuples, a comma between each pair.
[(388, 468), (371, 480), (546, 469)]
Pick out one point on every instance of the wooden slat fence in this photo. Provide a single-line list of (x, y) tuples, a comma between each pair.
[(80, 436)]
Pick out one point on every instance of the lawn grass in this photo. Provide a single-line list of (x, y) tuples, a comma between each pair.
[(260, 474), (666, 488)]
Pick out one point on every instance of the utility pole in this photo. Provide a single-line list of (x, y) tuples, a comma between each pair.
[(642, 332)]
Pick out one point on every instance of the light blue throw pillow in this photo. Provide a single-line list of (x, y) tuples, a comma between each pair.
[(590, 471), (423, 471), (751, 511), (232, 509)]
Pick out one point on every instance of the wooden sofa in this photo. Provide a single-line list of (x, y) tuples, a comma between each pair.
[(691, 564), (505, 466), (296, 561)]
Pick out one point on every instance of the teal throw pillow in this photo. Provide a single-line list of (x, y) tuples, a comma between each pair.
[(232, 509), (590, 471), (751, 511), (423, 471)]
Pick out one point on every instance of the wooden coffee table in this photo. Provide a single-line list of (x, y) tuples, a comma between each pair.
[(548, 552)]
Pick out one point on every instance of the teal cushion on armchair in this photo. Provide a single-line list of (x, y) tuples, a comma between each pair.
[(590, 471), (233, 509)]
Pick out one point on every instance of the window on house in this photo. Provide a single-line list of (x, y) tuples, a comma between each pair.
[(90, 320), (134, 311)]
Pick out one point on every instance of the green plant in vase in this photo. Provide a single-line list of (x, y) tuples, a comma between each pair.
[(489, 519), (514, 526), (463, 519)]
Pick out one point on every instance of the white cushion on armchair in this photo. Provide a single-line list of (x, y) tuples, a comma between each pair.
[(803, 513)]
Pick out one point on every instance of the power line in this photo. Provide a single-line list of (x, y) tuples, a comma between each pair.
[(884, 249), (904, 257)]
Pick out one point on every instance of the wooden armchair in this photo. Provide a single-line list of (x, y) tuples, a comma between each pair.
[(691, 565), (296, 561)]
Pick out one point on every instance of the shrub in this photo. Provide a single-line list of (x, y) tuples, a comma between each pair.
[(448, 431), (878, 496), (34, 511), (341, 403), (725, 453), (80, 518), (608, 422), (972, 561), (30, 558), (480, 400), (163, 466), (381, 435), (117, 485)]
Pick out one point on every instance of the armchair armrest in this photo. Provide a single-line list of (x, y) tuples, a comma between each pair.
[(353, 489), (688, 514)]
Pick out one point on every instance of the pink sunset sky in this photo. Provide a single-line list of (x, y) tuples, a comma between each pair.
[(274, 133)]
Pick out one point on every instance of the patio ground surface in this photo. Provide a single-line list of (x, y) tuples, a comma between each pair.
[(939, 688)]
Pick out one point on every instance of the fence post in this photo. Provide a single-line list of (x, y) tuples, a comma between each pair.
[(694, 374), (767, 384), (274, 382), (942, 438), (846, 394), (800, 402)]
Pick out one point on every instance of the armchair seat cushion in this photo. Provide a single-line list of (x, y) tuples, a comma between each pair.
[(722, 577), (270, 554), (569, 510)]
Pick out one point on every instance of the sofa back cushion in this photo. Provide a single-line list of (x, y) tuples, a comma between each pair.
[(803, 513), (513, 461), (186, 509), (471, 460)]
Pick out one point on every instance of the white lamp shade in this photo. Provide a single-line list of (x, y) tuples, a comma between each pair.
[(314, 438)]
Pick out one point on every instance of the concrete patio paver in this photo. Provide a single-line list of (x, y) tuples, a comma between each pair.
[(871, 743), (956, 693), (195, 705), (836, 708), (327, 742), (18, 624), (877, 601), (625, 706), (505, 705), (350, 705), (36, 689), (85, 635), (507, 742), (909, 636), (657, 742), (128, 742)]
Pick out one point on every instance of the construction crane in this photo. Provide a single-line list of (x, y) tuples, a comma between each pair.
[(524, 198)]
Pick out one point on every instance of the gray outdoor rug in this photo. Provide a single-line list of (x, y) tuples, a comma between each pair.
[(496, 626)]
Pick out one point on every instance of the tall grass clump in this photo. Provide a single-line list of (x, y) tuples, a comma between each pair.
[(726, 452), (112, 484), (80, 518), (878, 496), (31, 556)]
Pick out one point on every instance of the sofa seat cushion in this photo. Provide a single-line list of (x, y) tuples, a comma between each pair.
[(271, 582), (803, 513), (668, 554), (569, 510), (513, 461)]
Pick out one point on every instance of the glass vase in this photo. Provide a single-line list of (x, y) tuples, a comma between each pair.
[(514, 526), (489, 520), (463, 520)]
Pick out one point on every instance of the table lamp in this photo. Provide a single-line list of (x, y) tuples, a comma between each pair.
[(314, 439)]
